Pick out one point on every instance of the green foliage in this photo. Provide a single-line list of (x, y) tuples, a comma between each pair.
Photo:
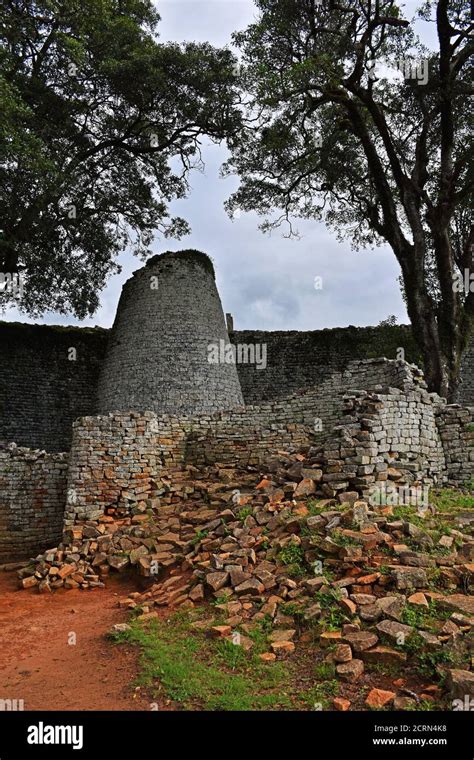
[(294, 609), (332, 615), (259, 635), (327, 599), (325, 671), (319, 695), (292, 555), (450, 500), (427, 619), (200, 534), (426, 660), (198, 673), (334, 619), (385, 669), (314, 507), (244, 512), (335, 136), (341, 539), (234, 657), (424, 705), (434, 576), (94, 111), (220, 600)]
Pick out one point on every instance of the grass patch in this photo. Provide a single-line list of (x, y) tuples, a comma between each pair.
[(449, 500), (340, 539), (204, 674), (427, 662), (409, 514), (427, 619), (292, 556), (200, 535), (319, 696), (325, 671)]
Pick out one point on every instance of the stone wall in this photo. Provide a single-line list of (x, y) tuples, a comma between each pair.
[(127, 463), (42, 391), (114, 464), (426, 441), (380, 431), (248, 435), (298, 360), (32, 499), (456, 428), (377, 415), (158, 353), (44, 385), (466, 387), (122, 462)]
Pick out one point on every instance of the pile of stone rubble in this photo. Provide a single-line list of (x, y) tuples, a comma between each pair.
[(271, 547)]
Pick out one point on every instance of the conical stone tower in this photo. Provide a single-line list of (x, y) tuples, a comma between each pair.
[(158, 354)]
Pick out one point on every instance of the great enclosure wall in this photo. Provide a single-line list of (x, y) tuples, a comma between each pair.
[(94, 421)]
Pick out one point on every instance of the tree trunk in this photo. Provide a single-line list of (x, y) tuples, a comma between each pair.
[(422, 314), (449, 316)]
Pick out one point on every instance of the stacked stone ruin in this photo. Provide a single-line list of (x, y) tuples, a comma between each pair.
[(169, 313), (164, 409)]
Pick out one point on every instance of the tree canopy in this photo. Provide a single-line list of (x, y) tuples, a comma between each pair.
[(100, 125), (350, 119)]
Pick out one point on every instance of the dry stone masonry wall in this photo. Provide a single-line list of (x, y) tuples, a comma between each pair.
[(298, 360), (248, 435), (158, 354), (165, 405), (124, 459), (32, 499), (42, 391), (48, 378), (381, 431), (114, 465), (466, 386), (130, 463), (456, 430), (408, 432)]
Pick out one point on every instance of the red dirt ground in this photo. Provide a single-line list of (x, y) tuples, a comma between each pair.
[(39, 666)]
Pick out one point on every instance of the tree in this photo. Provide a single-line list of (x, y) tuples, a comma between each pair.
[(100, 125), (351, 119)]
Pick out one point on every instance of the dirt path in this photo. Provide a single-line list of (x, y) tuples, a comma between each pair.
[(38, 665)]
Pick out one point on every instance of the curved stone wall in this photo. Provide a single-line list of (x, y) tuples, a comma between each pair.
[(157, 359), (32, 500)]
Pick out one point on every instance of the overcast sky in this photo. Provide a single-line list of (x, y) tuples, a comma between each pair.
[(265, 281)]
